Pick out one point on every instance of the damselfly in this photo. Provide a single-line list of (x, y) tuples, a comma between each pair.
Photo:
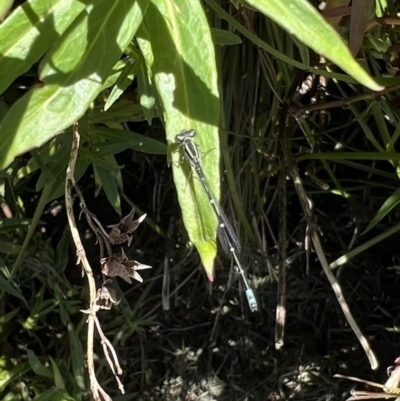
[(227, 237)]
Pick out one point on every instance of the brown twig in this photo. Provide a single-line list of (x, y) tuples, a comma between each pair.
[(307, 210), (97, 391)]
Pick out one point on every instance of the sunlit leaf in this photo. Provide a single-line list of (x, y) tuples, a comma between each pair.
[(124, 80), (73, 74), (147, 93), (302, 20), (177, 45), (30, 31)]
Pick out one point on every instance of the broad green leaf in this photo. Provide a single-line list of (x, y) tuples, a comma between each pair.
[(73, 74), (176, 42), (30, 31), (120, 140), (384, 210), (302, 20), (3, 109), (275, 53), (37, 366)]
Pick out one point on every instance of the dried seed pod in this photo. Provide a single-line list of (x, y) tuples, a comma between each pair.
[(120, 232)]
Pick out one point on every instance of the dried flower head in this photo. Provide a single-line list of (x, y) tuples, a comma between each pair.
[(119, 265), (120, 232), (106, 296), (113, 266)]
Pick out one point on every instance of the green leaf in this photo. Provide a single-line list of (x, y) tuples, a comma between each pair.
[(37, 366), (30, 31), (77, 357), (36, 305), (55, 162), (52, 394), (58, 380), (7, 317), (304, 52), (120, 112), (73, 75), (8, 283), (177, 46), (82, 165), (116, 72), (6, 286), (106, 171), (13, 224), (9, 248), (125, 79), (302, 20), (61, 256), (223, 37), (11, 373), (146, 92), (384, 210), (120, 140), (5, 6)]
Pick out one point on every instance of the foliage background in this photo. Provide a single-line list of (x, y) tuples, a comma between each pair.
[(135, 74)]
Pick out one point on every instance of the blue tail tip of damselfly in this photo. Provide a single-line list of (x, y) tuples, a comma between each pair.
[(251, 299)]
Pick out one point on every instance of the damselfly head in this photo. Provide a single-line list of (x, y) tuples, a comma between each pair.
[(180, 138)]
